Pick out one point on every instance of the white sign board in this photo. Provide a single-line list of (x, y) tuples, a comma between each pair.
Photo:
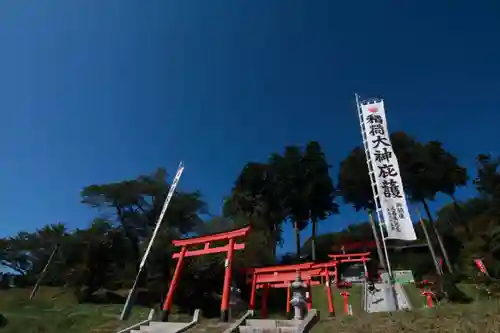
[(386, 169)]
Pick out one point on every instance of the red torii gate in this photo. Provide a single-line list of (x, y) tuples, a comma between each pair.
[(349, 257), (281, 276), (276, 277), (230, 237)]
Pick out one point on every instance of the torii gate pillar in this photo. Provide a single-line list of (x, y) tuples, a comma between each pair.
[(230, 237)]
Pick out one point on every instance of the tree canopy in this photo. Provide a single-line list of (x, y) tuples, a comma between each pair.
[(290, 187)]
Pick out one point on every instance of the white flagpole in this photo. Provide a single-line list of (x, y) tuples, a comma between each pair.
[(377, 208), (128, 304)]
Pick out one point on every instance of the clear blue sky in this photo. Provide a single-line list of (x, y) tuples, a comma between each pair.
[(96, 91)]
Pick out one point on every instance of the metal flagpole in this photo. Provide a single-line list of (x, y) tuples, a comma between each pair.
[(377, 240), (376, 200), (128, 304), (429, 244), (44, 271)]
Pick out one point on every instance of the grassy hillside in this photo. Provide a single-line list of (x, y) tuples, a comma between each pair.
[(480, 316), (54, 310), (418, 301), (476, 317), (320, 301)]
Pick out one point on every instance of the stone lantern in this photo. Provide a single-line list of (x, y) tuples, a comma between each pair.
[(298, 301)]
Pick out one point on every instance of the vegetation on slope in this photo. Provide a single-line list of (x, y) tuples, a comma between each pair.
[(475, 317), (295, 187), (56, 311)]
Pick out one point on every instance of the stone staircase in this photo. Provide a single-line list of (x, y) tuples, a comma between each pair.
[(160, 327), (150, 326), (242, 325), (403, 301), (209, 326), (270, 326), (280, 326), (382, 300)]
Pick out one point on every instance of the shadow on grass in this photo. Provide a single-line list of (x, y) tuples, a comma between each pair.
[(3, 321)]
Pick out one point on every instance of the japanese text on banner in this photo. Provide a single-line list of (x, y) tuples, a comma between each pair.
[(386, 171)]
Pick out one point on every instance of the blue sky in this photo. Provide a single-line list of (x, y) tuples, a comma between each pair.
[(96, 91)]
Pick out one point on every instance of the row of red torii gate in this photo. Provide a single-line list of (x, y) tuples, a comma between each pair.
[(260, 278)]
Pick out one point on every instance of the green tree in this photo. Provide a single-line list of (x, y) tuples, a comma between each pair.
[(137, 205), (255, 197), (488, 178), (450, 175), (320, 191), (355, 186), (291, 187), (427, 169), (486, 206), (354, 181), (422, 167), (95, 254)]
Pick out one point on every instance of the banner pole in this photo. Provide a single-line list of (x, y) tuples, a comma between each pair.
[(429, 243), (131, 295), (377, 208)]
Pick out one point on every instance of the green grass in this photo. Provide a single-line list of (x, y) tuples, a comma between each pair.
[(54, 310), (472, 291), (476, 317), (418, 301), (320, 301), (480, 316)]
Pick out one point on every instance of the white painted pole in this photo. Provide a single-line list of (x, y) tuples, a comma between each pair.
[(128, 304), (377, 208)]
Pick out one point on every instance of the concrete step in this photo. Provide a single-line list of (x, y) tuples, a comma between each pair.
[(270, 326), (253, 329), (205, 327), (403, 301), (160, 327), (382, 300), (271, 323)]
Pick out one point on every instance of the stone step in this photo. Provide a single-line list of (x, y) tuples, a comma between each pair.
[(160, 327), (271, 323), (209, 328), (253, 329)]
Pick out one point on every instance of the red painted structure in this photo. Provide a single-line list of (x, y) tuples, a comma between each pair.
[(230, 237), (281, 277), (425, 291), (428, 297), (345, 294), (349, 257)]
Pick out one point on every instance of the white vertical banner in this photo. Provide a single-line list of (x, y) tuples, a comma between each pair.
[(386, 171)]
